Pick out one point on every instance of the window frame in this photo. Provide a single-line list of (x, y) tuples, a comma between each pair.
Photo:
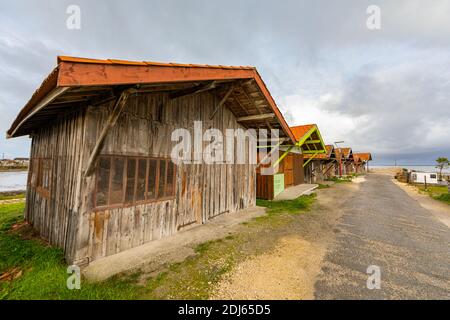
[(36, 171), (134, 202)]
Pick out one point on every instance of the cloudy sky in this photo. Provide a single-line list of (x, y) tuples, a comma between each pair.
[(386, 91)]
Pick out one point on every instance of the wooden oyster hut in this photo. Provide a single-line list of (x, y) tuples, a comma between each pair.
[(101, 178)]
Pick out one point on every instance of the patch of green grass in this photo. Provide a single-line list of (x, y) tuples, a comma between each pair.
[(41, 270), (341, 179), (323, 186), (12, 196), (444, 198), (44, 271), (295, 206), (437, 192), (194, 277)]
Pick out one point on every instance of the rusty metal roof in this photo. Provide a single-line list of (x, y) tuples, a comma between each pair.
[(76, 81), (323, 156), (344, 153), (146, 63), (362, 156)]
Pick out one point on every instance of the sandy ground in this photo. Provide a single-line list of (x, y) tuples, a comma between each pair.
[(10, 201), (288, 272), (440, 210), (391, 171), (290, 269)]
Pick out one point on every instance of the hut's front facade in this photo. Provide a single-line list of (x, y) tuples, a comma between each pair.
[(102, 177), (362, 159), (289, 173), (344, 158), (312, 145)]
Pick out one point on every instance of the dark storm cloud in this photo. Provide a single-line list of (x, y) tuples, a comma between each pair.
[(389, 87)]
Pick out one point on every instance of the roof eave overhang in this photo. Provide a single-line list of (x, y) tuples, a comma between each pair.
[(74, 74)]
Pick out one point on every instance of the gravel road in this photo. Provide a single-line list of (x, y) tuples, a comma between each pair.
[(383, 226)]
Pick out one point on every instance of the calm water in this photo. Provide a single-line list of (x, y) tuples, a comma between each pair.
[(13, 180), (428, 168)]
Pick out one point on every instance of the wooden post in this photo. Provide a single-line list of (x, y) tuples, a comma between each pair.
[(115, 113), (425, 177)]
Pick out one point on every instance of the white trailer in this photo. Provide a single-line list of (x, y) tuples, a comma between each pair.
[(422, 177)]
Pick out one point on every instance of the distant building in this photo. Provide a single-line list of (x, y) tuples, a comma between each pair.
[(422, 177)]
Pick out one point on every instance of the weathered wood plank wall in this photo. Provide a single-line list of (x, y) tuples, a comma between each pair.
[(202, 191), (55, 216)]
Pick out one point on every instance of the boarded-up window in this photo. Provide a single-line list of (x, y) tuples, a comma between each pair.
[(45, 174), (34, 172), (40, 175), (130, 180)]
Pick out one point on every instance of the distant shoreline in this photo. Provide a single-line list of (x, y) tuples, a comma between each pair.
[(6, 169), (402, 165)]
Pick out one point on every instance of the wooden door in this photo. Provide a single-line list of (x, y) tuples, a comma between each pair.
[(288, 170), (299, 176)]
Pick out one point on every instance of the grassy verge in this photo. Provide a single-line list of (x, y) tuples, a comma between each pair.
[(437, 192), (12, 196), (30, 269), (33, 270), (343, 179)]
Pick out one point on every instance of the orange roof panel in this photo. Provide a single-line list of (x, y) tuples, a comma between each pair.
[(76, 71), (300, 131)]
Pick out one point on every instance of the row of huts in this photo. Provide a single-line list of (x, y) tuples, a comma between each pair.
[(318, 162), (102, 177)]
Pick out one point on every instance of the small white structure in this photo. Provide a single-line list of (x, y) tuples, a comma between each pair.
[(422, 177)]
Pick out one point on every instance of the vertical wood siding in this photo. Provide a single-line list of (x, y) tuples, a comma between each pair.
[(202, 191), (56, 217)]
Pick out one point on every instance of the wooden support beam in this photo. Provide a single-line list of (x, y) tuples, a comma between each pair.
[(312, 141), (257, 117), (112, 119), (313, 151), (310, 159), (252, 101), (222, 102), (194, 90), (274, 149), (47, 100)]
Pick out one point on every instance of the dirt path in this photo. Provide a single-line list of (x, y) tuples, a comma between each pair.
[(11, 201), (290, 269), (288, 272), (384, 227)]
